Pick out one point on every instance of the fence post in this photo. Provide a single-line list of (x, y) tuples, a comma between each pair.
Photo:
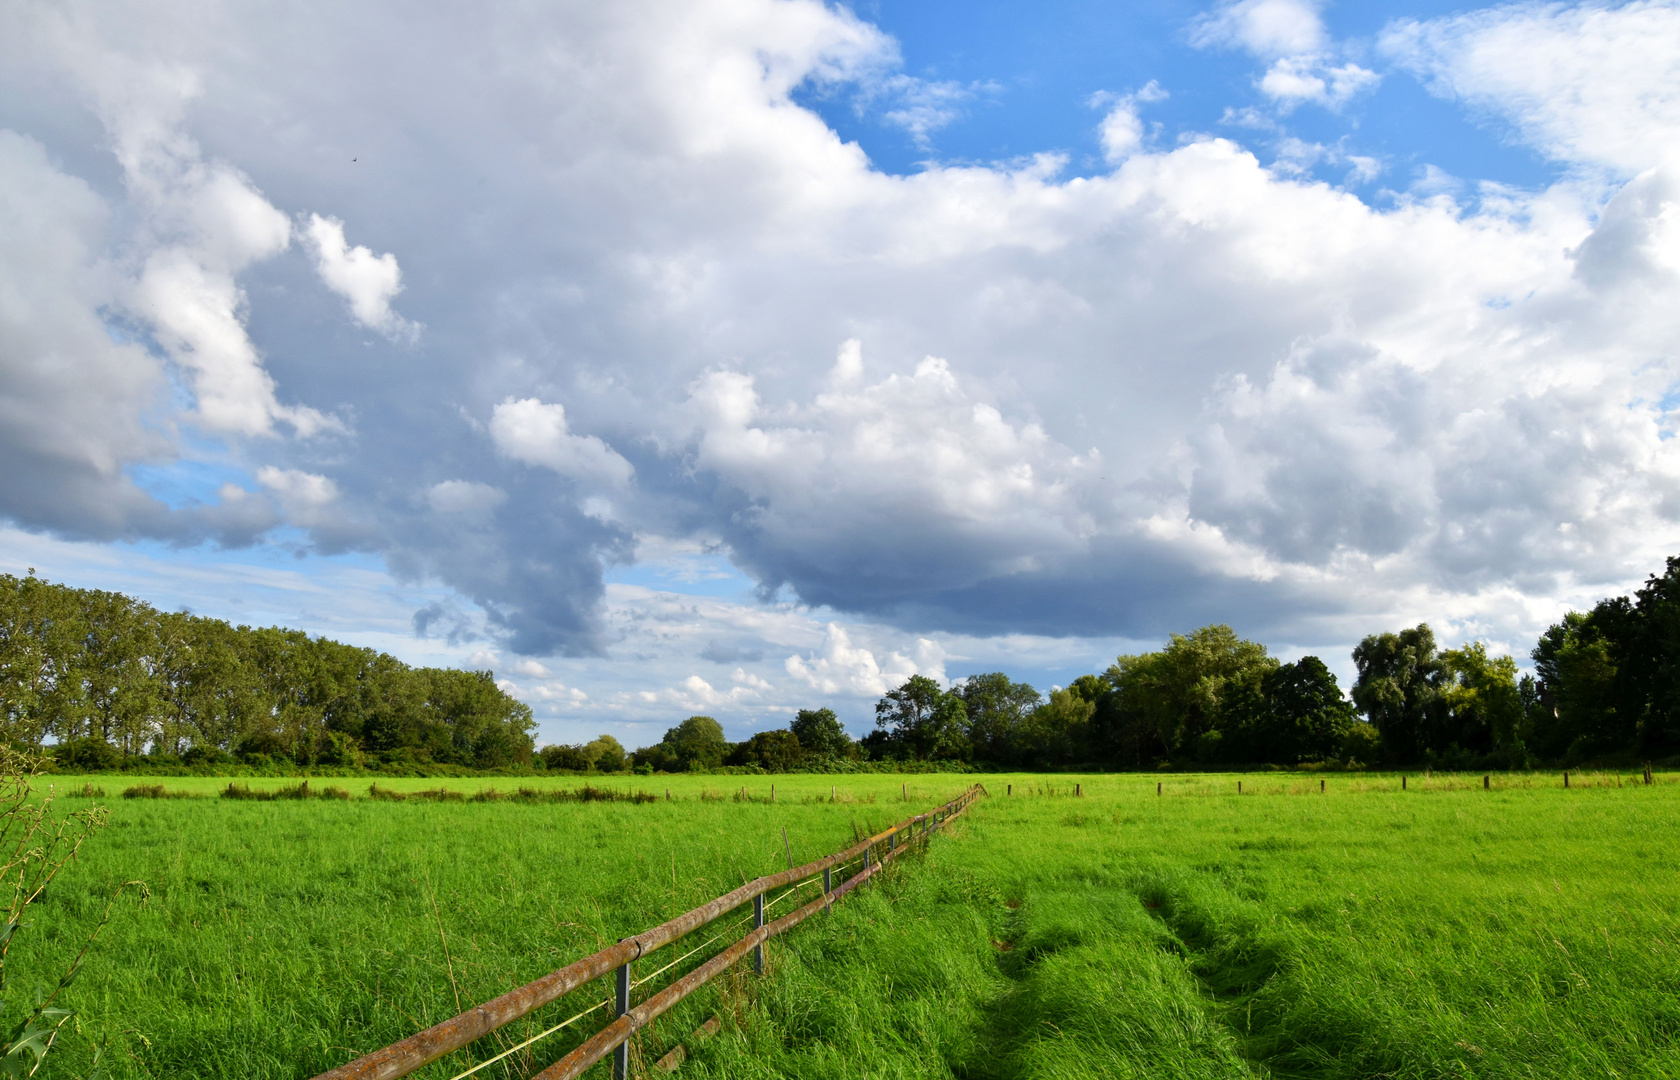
[(1565, 779), (1157, 787), (758, 921), (621, 1055), (892, 841), (1402, 783), (828, 886), (1239, 787), (1485, 780), (1321, 787)]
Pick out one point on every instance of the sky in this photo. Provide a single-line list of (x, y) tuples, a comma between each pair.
[(742, 356)]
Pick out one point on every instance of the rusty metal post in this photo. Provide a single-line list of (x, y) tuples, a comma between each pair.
[(828, 885), (758, 921), (621, 1056)]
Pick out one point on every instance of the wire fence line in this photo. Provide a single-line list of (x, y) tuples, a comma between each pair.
[(868, 856)]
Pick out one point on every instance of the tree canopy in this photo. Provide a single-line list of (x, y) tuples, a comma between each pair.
[(90, 669)]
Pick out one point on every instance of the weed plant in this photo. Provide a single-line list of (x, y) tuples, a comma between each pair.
[(1520, 931)]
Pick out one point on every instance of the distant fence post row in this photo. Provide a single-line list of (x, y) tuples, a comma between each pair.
[(423, 1048)]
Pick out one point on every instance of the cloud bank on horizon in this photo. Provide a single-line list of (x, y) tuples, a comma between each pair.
[(520, 299)]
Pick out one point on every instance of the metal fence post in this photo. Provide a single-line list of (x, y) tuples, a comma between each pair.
[(828, 886), (758, 921), (621, 1055)]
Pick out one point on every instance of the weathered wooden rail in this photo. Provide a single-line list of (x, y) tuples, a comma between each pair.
[(425, 1047)]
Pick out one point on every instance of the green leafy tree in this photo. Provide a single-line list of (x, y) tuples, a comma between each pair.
[(820, 734), (1582, 667), (922, 722), (120, 689), (568, 758), (40, 643), (1056, 732), (1480, 707), (773, 751), (1654, 685), (1306, 717), (1399, 678), (997, 710), (606, 754), (697, 744), (470, 721), (1174, 701)]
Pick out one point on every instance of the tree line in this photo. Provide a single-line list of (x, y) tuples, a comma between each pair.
[(108, 678), (1606, 687)]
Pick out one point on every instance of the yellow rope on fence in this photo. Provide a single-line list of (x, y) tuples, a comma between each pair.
[(402, 1058), (542, 1035)]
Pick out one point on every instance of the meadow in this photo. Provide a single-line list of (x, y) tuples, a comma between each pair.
[(1363, 931)]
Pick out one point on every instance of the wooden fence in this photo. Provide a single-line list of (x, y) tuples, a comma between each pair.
[(869, 856)]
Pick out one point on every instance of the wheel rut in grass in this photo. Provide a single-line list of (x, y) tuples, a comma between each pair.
[(1088, 983), (1245, 977), (1186, 979)]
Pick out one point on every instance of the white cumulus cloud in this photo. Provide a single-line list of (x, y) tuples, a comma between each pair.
[(536, 433), (368, 281), (840, 667)]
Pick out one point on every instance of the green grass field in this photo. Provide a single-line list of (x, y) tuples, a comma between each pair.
[(1362, 932)]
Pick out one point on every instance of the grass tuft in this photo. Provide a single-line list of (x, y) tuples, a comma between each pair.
[(141, 791)]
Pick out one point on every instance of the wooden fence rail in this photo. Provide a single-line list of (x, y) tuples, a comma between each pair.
[(425, 1047)]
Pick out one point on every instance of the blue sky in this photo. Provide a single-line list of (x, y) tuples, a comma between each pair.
[(740, 357), (1031, 78)]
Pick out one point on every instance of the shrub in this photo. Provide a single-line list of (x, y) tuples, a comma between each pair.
[(87, 755), (154, 791), (565, 757), (205, 755)]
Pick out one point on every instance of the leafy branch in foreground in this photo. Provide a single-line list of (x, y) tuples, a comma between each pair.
[(35, 844)]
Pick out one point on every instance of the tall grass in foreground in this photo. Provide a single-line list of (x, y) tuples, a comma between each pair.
[(1444, 930), (284, 935), (1517, 933)]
